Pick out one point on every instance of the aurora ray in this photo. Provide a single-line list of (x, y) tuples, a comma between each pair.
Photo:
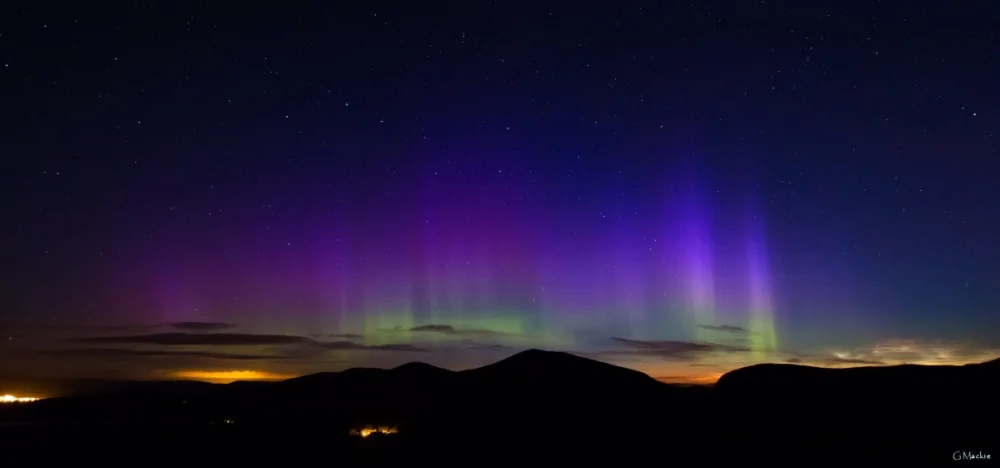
[(763, 337)]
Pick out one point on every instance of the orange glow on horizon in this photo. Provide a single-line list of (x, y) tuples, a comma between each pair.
[(14, 399), (694, 379), (707, 379), (228, 376), (710, 378)]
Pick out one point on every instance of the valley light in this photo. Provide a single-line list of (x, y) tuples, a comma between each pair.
[(366, 431), (14, 399)]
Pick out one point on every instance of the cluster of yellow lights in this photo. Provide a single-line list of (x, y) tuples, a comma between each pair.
[(369, 430), (14, 399)]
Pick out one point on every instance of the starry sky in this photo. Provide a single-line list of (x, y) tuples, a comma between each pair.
[(681, 188)]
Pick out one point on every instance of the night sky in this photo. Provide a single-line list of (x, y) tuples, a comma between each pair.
[(218, 193)]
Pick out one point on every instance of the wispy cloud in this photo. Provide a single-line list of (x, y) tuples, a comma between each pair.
[(133, 328), (344, 336), (478, 346), (889, 352), (725, 328), (837, 361), (347, 345), (43, 328), (897, 351), (192, 326), (434, 328), (201, 326), (452, 330), (677, 350), (112, 352), (238, 339), (198, 339)]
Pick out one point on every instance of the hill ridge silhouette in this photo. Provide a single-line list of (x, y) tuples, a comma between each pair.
[(574, 408)]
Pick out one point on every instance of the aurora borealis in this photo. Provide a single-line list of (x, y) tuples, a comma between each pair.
[(290, 191)]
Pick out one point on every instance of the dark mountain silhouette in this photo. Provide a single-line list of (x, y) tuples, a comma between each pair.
[(420, 369), (993, 364), (248, 384), (557, 370), (536, 406), (881, 383)]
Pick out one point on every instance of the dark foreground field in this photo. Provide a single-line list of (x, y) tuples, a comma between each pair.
[(535, 407)]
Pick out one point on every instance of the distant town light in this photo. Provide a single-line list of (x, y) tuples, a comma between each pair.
[(366, 431), (14, 399)]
